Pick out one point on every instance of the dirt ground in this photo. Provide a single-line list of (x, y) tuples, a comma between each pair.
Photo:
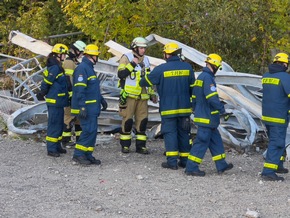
[(132, 185)]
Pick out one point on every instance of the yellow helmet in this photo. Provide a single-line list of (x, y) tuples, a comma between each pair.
[(281, 57), (92, 49), (171, 47), (214, 59), (60, 49)]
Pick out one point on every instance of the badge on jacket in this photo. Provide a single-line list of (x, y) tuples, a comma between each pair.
[(212, 88), (80, 78)]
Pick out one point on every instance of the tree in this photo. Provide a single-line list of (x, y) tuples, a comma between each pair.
[(245, 33)]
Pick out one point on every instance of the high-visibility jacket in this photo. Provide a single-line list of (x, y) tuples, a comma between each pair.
[(206, 104), (174, 81), (276, 94), (131, 85), (54, 84), (86, 89)]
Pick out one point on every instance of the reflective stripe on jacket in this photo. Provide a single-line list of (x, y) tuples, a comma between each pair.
[(174, 80), (132, 86)]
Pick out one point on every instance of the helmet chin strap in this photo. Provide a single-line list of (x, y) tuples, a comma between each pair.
[(136, 50), (60, 57), (214, 68), (94, 60)]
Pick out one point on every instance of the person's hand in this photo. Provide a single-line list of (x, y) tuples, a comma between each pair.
[(123, 98), (104, 104), (40, 96), (186, 124), (83, 113), (226, 116)]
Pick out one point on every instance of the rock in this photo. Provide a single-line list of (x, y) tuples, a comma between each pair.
[(139, 177), (252, 214), (99, 208)]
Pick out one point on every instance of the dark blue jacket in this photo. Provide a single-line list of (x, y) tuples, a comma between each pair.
[(86, 89), (54, 85), (174, 81), (206, 104), (276, 94)]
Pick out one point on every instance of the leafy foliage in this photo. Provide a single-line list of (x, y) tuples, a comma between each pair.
[(245, 33)]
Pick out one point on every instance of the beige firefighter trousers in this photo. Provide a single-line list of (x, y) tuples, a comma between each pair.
[(136, 109)]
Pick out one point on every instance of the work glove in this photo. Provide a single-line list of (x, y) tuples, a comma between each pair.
[(226, 116), (40, 96), (123, 97), (83, 113), (104, 104), (186, 124)]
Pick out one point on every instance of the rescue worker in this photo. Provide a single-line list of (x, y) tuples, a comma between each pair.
[(54, 88), (275, 106), (75, 53), (174, 81), (133, 98), (86, 104), (207, 110)]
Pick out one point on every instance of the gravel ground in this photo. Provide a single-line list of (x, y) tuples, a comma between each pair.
[(132, 185)]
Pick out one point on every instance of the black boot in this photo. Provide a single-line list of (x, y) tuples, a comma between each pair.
[(142, 150), (82, 160), (125, 150), (53, 154), (94, 161), (196, 173), (229, 166), (167, 166), (272, 177), (61, 150), (282, 170)]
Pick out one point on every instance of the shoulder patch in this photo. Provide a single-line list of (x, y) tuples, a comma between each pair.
[(80, 78), (213, 88)]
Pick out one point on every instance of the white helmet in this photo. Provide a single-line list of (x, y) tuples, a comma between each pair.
[(139, 42), (80, 45)]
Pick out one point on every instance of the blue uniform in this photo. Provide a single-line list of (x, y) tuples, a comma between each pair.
[(275, 106), (54, 87), (86, 94), (207, 109), (174, 81)]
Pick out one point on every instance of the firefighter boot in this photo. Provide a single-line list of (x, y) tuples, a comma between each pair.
[(196, 173), (125, 141), (228, 167), (60, 149), (167, 166), (272, 177), (141, 144), (142, 150), (125, 150), (282, 170), (82, 160), (94, 161), (53, 154)]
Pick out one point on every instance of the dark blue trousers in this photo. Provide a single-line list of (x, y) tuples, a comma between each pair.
[(86, 143), (206, 138), (176, 140), (276, 148), (54, 128)]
